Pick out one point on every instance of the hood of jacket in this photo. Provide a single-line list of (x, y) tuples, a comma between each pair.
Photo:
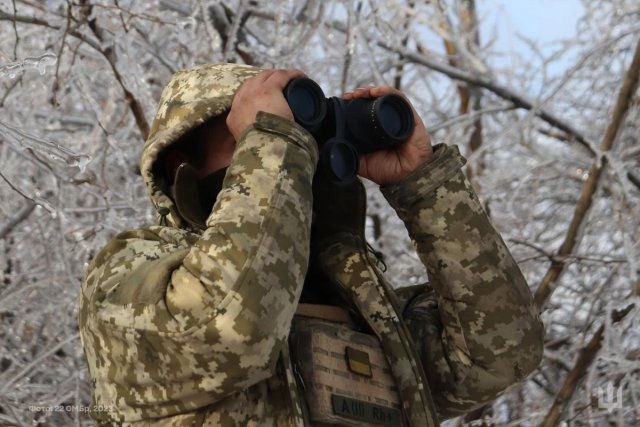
[(192, 97)]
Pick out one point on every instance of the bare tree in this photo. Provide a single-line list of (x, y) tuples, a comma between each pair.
[(551, 136)]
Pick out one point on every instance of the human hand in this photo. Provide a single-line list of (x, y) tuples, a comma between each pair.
[(263, 92), (390, 166)]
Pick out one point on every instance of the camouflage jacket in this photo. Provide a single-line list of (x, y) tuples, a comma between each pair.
[(186, 324)]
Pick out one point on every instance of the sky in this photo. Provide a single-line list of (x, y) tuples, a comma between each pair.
[(541, 20)]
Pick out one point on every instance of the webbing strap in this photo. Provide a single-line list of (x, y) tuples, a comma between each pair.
[(326, 312)]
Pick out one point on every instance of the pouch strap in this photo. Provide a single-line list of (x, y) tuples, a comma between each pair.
[(326, 312)]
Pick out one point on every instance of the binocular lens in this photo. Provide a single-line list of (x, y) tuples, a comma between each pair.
[(339, 161), (304, 104), (307, 102), (395, 116)]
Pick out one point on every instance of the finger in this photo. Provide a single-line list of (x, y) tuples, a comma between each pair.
[(363, 167), (372, 92), (361, 92), (384, 90), (249, 85), (281, 77), (261, 76)]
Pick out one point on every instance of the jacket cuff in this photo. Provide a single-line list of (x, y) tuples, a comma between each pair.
[(289, 129), (446, 162)]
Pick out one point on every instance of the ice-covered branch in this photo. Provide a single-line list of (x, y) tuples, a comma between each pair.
[(132, 102), (519, 100), (20, 216), (51, 149), (572, 238), (40, 63), (584, 360)]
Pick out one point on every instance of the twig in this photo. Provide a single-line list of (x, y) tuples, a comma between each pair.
[(470, 96), (577, 258), (622, 105), (468, 116), (11, 86), (109, 53), (635, 180), (348, 49), (502, 91), (14, 188), (134, 105), (20, 216), (397, 80), (56, 82), (15, 30), (585, 358), (4, 16), (518, 100), (556, 135), (233, 29), (37, 360)]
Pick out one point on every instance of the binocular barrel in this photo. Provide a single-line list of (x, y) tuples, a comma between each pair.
[(307, 102), (345, 129)]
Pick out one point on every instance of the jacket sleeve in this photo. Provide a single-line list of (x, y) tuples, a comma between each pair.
[(205, 316), (475, 325)]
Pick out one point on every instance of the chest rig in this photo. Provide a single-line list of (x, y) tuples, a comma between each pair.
[(360, 368)]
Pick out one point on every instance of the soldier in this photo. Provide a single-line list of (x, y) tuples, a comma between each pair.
[(193, 322)]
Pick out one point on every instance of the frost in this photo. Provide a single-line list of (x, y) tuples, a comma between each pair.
[(70, 147), (39, 63)]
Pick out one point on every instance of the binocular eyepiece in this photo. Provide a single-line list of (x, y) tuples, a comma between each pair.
[(345, 129)]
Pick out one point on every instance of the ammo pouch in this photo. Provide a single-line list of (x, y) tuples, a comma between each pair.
[(343, 374)]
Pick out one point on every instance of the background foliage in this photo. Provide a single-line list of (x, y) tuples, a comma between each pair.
[(550, 132)]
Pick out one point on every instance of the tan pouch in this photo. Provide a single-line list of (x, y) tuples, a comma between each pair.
[(344, 376)]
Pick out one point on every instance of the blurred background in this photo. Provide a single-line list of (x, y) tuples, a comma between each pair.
[(540, 96)]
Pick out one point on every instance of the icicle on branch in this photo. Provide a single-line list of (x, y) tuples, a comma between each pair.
[(40, 63), (54, 151)]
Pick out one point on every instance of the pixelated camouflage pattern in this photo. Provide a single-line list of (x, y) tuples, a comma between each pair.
[(182, 328), (173, 321), (344, 259), (348, 261), (473, 331), (475, 326), (192, 97)]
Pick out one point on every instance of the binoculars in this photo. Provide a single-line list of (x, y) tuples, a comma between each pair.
[(345, 129)]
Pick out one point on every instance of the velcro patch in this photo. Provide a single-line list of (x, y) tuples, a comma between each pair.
[(358, 362)]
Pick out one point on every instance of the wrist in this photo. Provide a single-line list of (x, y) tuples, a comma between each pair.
[(423, 181), (410, 167)]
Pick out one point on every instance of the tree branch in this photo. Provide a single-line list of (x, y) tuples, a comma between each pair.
[(504, 92), (134, 104), (470, 96), (110, 55), (4, 16), (635, 180), (20, 216), (518, 100), (585, 358), (571, 240)]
